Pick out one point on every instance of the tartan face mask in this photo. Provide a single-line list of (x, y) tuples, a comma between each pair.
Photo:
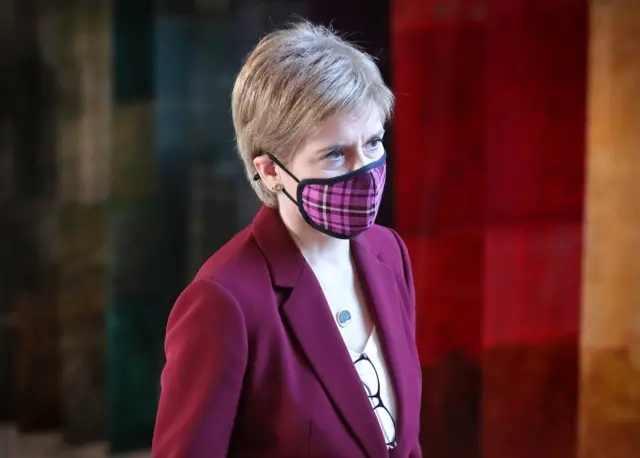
[(343, 206)]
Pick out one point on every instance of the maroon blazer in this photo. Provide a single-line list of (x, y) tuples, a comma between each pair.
[(256, 366)]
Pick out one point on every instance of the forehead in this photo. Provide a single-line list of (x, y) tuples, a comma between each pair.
[(347, 127)]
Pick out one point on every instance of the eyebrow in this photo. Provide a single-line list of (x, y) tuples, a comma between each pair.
[(334, 146)]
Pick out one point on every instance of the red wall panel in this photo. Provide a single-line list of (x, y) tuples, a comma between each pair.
[(438, 79), (534, 152), (489, 158)]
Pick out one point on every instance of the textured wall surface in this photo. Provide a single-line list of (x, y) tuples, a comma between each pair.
[(77, 41), (439, 205), (534, 155), (136, 313), (610, 381), (490, 130), (28, 220)]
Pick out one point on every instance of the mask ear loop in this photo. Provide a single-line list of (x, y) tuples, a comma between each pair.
[(279, 187)]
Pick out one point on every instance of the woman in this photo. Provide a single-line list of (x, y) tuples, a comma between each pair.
[(296, 339)]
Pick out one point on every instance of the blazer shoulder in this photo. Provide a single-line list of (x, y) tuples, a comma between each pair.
[(206, 348), (237, 264), (388, 245), (392, 250)]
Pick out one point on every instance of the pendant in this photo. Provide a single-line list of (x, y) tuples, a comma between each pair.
[(343, 317)]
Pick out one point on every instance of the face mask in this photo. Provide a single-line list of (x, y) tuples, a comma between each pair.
[(343, 206)]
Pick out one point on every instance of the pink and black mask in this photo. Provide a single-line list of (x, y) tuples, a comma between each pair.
[(343, 206)]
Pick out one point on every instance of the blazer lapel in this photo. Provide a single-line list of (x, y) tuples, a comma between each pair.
[(383, 297), (310, 320)]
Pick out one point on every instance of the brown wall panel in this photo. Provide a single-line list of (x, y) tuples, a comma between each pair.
[(610, 340)]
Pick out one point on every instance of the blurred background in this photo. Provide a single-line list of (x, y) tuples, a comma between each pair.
[(514, 179)]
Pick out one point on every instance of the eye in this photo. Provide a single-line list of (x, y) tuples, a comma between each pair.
[(334, 154), (374, 143)]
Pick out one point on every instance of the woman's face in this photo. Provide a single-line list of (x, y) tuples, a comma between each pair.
[(339, 145)]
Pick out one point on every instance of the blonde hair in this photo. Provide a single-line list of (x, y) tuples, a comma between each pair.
[(294, 79)]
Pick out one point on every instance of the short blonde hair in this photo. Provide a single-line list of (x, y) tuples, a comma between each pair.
[(294, 79)]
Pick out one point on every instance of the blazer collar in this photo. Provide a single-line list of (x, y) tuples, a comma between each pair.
[(282, 254), (311, 322)]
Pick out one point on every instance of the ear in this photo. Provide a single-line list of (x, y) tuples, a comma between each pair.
[(268, 171)]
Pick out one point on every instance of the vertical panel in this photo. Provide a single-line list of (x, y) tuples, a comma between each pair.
[(29, 107), (78, 42), (438, 69), (135, 297), (216, 170), (174, 36), (7, 324), (536, 61), (610, 379), (224, 32), (7, 202)]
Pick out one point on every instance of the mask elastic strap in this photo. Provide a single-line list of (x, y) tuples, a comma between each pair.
[(284, 191), (256, 177)]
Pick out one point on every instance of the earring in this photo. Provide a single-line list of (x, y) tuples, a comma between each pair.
[(277, 188)]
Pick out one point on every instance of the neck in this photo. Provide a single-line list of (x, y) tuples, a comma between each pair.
[(320, 250)]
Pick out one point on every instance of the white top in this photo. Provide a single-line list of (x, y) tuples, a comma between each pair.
[(373, 351)]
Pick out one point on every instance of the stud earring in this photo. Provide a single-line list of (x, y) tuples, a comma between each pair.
[(277, 188)]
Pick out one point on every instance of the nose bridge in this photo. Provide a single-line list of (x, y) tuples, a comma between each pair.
[(360, 159)]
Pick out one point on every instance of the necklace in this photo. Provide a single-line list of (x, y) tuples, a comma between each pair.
[(343, 316)]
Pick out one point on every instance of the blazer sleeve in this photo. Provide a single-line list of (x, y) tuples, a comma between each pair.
[(206, 349), (408, 278)]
